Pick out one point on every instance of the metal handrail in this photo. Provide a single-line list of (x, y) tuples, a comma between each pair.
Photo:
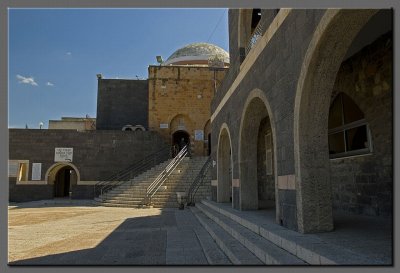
[(139, 166), (157, 183), (198, 181), (255, 36)]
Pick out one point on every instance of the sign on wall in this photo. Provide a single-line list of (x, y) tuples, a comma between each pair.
[(164, 125), (63, 154), (198, 135), (36, 171)]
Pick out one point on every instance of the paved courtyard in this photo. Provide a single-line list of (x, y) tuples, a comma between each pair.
[(64, 232), (85, 235)]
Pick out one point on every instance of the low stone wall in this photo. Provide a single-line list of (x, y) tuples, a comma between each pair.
[(97, 155)]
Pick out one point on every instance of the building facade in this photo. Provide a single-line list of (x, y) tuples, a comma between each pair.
[(174, 101), (136, 119), (302, 123)]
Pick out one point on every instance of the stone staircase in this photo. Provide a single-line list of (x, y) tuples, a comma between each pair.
[(238, 238), (253, 238), (133, 193)]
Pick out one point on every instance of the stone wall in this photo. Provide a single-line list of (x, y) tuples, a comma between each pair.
[(271, 72), (120, 103), (266, 182), (97, 155), (181, 94), (275, 73), (364, 184)]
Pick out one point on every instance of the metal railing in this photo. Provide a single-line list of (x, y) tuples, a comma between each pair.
[(102, 187), (157, 183), (197, 182), (255, 36)]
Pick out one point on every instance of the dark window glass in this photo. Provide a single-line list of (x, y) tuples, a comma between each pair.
[(336, 143), (336, 113), (347, 129), (255, 18), (357, 138), (351, 111)]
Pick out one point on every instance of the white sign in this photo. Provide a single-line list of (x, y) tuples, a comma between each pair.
[(164, 125), (36, 171), (198, 134), (63, 154), (12, 168)]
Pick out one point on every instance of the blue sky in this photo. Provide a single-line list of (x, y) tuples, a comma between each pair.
[(55, 54)]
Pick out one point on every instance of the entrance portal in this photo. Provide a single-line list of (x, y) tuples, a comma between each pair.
[(62, 183), (64, 177), (179, 140)]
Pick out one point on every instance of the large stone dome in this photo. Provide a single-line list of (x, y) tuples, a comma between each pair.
[(197, 53)]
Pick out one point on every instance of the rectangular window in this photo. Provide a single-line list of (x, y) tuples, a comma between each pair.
[(350, 141), (18, 169), (23, 167)]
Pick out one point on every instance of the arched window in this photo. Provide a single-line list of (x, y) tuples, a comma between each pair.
[(348, 131)]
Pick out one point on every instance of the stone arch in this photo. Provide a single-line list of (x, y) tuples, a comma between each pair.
[(53, 175), (256, 109), (224, 165), (180, 122), (127, 128), (320, 66), (135, 128)]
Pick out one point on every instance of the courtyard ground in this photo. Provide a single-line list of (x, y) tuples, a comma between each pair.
[(74, 234), (77, 233)]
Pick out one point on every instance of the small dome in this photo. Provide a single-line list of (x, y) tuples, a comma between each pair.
[(197, 53)]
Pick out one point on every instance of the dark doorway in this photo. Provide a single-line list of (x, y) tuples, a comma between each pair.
[(62, 183), (179, 140)]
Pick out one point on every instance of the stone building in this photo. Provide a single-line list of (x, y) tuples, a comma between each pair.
[(174, 101), (135, 119), (302, 122)]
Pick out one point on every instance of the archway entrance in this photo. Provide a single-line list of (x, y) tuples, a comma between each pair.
[(316, 143), (257, 175), (179, 139), (62, 183), (224, 171), (64, 177)]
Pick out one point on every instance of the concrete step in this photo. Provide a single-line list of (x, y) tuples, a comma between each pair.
[(178, 181), (214, 255), (307, 247), (233, 249), (265, 250)]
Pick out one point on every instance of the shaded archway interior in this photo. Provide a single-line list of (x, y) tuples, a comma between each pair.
[(63, 177), (180, 138), (257, 181), (315, 195), (224, 190)]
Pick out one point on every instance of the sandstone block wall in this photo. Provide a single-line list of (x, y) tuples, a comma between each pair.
[(182, 94)]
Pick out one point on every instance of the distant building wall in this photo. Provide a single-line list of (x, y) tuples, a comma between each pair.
[(96, 155), (80, 124), (179, 99), (120, 103)]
